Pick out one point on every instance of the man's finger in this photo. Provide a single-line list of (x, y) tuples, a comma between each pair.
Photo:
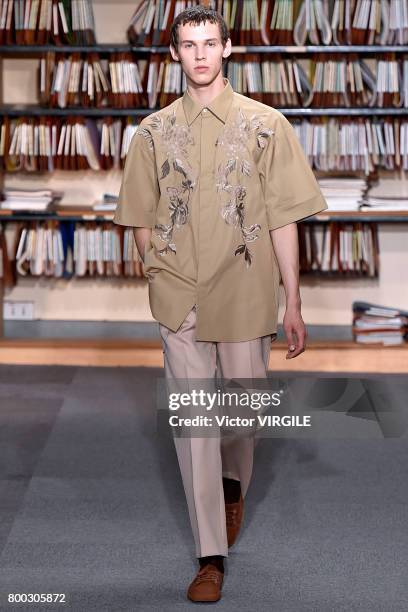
[(290, 339), (295, 353), (299, 346)]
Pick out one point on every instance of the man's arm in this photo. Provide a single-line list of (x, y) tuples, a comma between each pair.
[(139, 190), (286, 247), (142, 236)]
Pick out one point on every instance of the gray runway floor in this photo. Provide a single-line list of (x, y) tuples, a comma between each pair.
[(92, 506)]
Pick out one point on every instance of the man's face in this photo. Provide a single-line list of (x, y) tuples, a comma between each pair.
[(200, 51)]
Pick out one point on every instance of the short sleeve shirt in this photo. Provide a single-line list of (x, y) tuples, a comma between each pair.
[(211, 181)]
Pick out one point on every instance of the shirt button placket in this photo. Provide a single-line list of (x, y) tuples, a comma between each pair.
[(205, 204)]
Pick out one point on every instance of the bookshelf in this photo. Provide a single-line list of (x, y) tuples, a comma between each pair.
[(25, 52)]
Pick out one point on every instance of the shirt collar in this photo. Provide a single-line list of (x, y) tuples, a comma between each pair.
[(219, 106)]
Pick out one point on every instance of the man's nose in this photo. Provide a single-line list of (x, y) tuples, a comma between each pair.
[(200, 54)]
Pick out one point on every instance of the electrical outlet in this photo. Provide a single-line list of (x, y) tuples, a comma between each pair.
[(23, 311)]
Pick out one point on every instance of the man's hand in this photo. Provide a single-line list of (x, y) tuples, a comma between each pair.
[(286, 246), (295, 331), (142, 236)]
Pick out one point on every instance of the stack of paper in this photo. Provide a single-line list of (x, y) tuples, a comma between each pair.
[(29, 199), (379, 324), (387, 195), (108, 202), (343, 193)]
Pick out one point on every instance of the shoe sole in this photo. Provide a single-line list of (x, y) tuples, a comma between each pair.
[(204, 600)]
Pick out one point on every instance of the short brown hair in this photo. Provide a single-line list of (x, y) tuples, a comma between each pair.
[(198, 14)]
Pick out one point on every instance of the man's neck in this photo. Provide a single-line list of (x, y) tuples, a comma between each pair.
[(204, 94)]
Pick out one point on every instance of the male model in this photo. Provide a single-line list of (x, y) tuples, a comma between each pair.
[(213, 185)]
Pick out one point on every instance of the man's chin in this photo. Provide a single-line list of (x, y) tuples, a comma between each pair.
[(202, 78)]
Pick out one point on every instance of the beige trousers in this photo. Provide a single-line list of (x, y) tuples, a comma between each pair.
[(204, 461)]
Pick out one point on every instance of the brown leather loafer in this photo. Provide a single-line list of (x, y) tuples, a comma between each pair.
[(234, 514), (206, 586)]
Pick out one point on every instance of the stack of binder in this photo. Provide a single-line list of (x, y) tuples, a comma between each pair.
[(59, 22), (341, 82), (132, 263), (63, 249), (77, 143), (361, 144), (269, 78), (104, 249), (7, 270), (81, 79), (250, 22), (151, 21), (97, 250), (284, 22), (165, 80), (370, 22), (312, 23), (125, 81), (339, 249), (112, 153), (374, 324), (115, 138), (330, 144), (40, 250), (73, 80)]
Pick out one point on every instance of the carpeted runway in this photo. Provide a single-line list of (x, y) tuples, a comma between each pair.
[(92, 506)]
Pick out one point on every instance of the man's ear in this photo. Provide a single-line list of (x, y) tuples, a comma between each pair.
[(227, 49), (174, 54)]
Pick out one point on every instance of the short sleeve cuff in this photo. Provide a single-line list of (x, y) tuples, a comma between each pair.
[(297, 212), (134, 218)]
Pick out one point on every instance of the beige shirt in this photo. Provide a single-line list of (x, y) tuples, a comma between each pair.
[(211, 182)]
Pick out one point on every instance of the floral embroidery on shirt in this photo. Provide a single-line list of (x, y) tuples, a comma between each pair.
[(176, 139), (234, 138)]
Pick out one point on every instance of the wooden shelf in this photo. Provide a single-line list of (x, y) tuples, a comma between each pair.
[(80, 213), (400, 216), (320, 356), (31, 110), (115, 48)]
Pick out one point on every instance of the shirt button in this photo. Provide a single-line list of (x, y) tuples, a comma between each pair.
[(204, 110)]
